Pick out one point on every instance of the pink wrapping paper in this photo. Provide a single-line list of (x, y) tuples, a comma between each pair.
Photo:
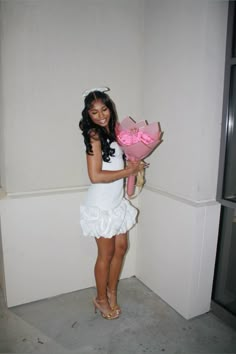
[(137, 140)]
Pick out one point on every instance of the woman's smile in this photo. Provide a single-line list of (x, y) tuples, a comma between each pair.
[(100, 113)]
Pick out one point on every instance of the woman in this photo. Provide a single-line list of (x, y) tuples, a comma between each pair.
[(106, 214)]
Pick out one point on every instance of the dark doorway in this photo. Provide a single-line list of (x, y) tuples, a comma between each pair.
[(224, 289)]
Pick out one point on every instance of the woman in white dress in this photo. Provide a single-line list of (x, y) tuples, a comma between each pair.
[(106, 214)]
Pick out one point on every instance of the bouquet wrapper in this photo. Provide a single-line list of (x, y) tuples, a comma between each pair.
[(137, 140), (130, 184)]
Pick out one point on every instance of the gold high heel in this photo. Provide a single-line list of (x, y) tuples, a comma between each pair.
[(112, 315), (115, 307)]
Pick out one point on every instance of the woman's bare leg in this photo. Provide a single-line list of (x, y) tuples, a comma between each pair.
[(121, 244), (106, 249)]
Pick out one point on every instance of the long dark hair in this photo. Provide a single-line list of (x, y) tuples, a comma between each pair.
[(89, 128)]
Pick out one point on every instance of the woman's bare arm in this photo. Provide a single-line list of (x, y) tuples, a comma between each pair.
[(97, 175)]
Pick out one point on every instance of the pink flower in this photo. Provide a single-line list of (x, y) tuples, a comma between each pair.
[(133, 136)]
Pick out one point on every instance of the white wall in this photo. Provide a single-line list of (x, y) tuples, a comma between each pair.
[(50, 52), (176, 251), (184, 72), (44, 251), (164, 60)]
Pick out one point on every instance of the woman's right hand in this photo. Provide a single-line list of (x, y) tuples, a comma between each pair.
[(134, 167)]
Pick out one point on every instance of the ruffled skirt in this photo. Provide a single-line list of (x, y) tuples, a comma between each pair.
[(107, 223)]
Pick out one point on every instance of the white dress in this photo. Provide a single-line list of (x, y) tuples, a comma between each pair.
[(106, 212)]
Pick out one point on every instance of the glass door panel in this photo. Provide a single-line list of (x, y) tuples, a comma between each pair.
[(224, 292), (234, 36), (229, 184)]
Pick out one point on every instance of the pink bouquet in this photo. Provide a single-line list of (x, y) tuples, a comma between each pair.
[(137, 140)]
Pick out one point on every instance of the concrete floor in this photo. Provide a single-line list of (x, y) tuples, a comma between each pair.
[(67, 324)]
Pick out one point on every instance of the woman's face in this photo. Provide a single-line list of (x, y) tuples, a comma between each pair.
[(100, 113)]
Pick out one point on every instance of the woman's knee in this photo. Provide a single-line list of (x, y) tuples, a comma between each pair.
[(121, 249), (121, 246), (106, 251), (107, 256)]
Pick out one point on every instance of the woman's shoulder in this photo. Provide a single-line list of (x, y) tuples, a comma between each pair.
[(94, 136)]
